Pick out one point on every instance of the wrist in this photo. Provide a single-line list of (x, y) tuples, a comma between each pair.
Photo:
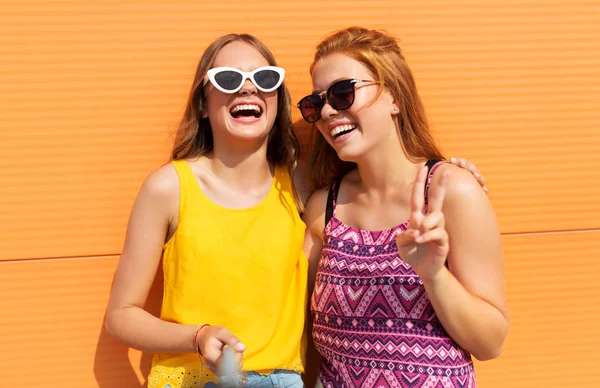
[(197, 337), (437, 280)]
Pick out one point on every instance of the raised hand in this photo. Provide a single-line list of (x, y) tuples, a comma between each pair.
[(212, 340), (424, 245)]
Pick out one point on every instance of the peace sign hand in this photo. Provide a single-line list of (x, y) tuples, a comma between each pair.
[(424, 245)]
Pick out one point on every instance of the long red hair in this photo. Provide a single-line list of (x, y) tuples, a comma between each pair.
[(381, 55)]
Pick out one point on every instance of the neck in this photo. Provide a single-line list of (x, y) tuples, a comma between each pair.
[(386, 168), (243, 165)]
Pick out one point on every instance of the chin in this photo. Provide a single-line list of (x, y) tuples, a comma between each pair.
[(250, 137), (249, 132), (350, 154)]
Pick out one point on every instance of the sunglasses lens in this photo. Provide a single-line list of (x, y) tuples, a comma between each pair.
[(341, 95), (267, 79), (228, 80), (310, 107)]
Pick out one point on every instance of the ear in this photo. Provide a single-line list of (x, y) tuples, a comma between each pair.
[(204, 110)]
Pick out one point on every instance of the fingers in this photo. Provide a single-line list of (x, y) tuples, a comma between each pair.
[(438, 235), (230, 364), (406, 238), (417, 200), (229, 339), (212, 355), (432, 221), (480, 179), (239, 357), (472, 168), (432, 229), (437, 194), (464, 163), (213, 342)]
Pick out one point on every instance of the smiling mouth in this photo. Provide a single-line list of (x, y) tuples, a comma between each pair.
[(246, 110), (342, 130)]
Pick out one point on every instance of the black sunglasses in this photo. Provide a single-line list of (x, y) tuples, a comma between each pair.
[(340, 96)]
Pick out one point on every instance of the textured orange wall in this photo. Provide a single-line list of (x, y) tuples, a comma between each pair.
[(90, 92)]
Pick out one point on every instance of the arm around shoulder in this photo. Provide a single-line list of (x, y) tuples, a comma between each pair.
[(314, 217), (301, 182)]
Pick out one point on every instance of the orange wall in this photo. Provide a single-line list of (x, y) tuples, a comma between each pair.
[(91, 90)]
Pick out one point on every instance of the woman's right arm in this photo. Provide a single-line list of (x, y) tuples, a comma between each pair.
[(154, 211), (153, 218)]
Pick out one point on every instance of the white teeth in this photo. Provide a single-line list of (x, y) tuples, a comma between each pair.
[(341, 128), (245, 107)]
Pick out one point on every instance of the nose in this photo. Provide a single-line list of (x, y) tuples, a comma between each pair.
[(327, 111), (248, 87)]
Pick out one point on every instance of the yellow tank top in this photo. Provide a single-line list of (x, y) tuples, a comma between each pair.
[(243, 269)]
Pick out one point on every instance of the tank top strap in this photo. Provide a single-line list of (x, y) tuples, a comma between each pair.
[(332, 200), (432, 165), (187, 183)]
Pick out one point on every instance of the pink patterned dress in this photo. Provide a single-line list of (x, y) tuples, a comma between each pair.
[(373, 322)]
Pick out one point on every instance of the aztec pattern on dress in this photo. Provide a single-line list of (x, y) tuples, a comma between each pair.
[(373, 322)]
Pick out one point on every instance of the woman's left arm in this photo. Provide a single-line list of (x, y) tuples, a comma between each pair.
[(469, 296)]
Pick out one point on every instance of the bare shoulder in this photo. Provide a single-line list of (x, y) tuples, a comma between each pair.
[(161, 187), (466, 206), (314, 213), (301, 181), (460, 184), (163, 181)]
